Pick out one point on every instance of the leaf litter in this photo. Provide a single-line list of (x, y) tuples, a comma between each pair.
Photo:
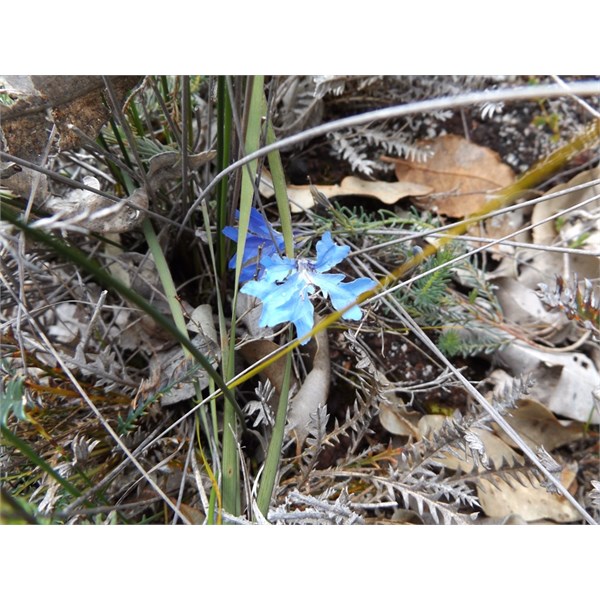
[(362, 404)]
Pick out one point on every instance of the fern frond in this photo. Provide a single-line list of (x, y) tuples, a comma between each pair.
[(418, 494), (357, 421), (356, 157), (315, 440), (316, 511), (329, 84)]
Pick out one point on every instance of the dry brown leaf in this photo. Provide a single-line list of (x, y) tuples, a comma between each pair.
[(395, 416), (497, 451), (257, 350), (539, 427), (174, 364), (522, 306), (166, 166), (532, 267), (302, 199), (138, 272), (314, 390), (530, 502), (399, 421), (542, 267), (462, 175), (581, 225), (249, 309), (192, 514), (500, 226)]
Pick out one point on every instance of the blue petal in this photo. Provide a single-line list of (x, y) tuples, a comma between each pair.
[(329, 253), (288, 301), (346, 293), (261, 240), (285, 285), (327, 281), (343, 294), (259, 288), (249, 272), (231, 232), (259, 225), (304, 318), (260, 228), (277, 268)]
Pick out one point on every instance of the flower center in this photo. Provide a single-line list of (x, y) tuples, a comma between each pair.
[(305, 270)]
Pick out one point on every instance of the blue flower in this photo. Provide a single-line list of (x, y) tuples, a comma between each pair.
[(262, 240), (286, 286)]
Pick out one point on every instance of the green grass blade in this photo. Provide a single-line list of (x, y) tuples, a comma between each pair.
[(14, 511), (267, 481), (164, 274), (280, 187), (231, 474), (224, 117)]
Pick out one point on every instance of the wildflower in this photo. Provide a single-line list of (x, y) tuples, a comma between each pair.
[(261, 241), (286, 286)]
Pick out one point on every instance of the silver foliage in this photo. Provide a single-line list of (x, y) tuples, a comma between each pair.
[(302, 509)]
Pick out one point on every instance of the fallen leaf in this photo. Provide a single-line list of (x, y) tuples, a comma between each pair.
[(255, 351), (522, 306), (537, 267), (192, 514), (539, 427), (301, 197), (138, 271), (166, 166), (405, 516), (532, 267), (531, 502), (177, 370), (565, 381), (499, 226), (249, 310), (581, 227), (399, 421), (394, 415), (70, 322), (462, 174), (202, 321), (97, 213), (548, 232), (497, 451), (314, 390)]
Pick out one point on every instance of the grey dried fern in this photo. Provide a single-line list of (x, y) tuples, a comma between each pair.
[(357, 422), (303, 509), (421, 482), (315, 441)]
